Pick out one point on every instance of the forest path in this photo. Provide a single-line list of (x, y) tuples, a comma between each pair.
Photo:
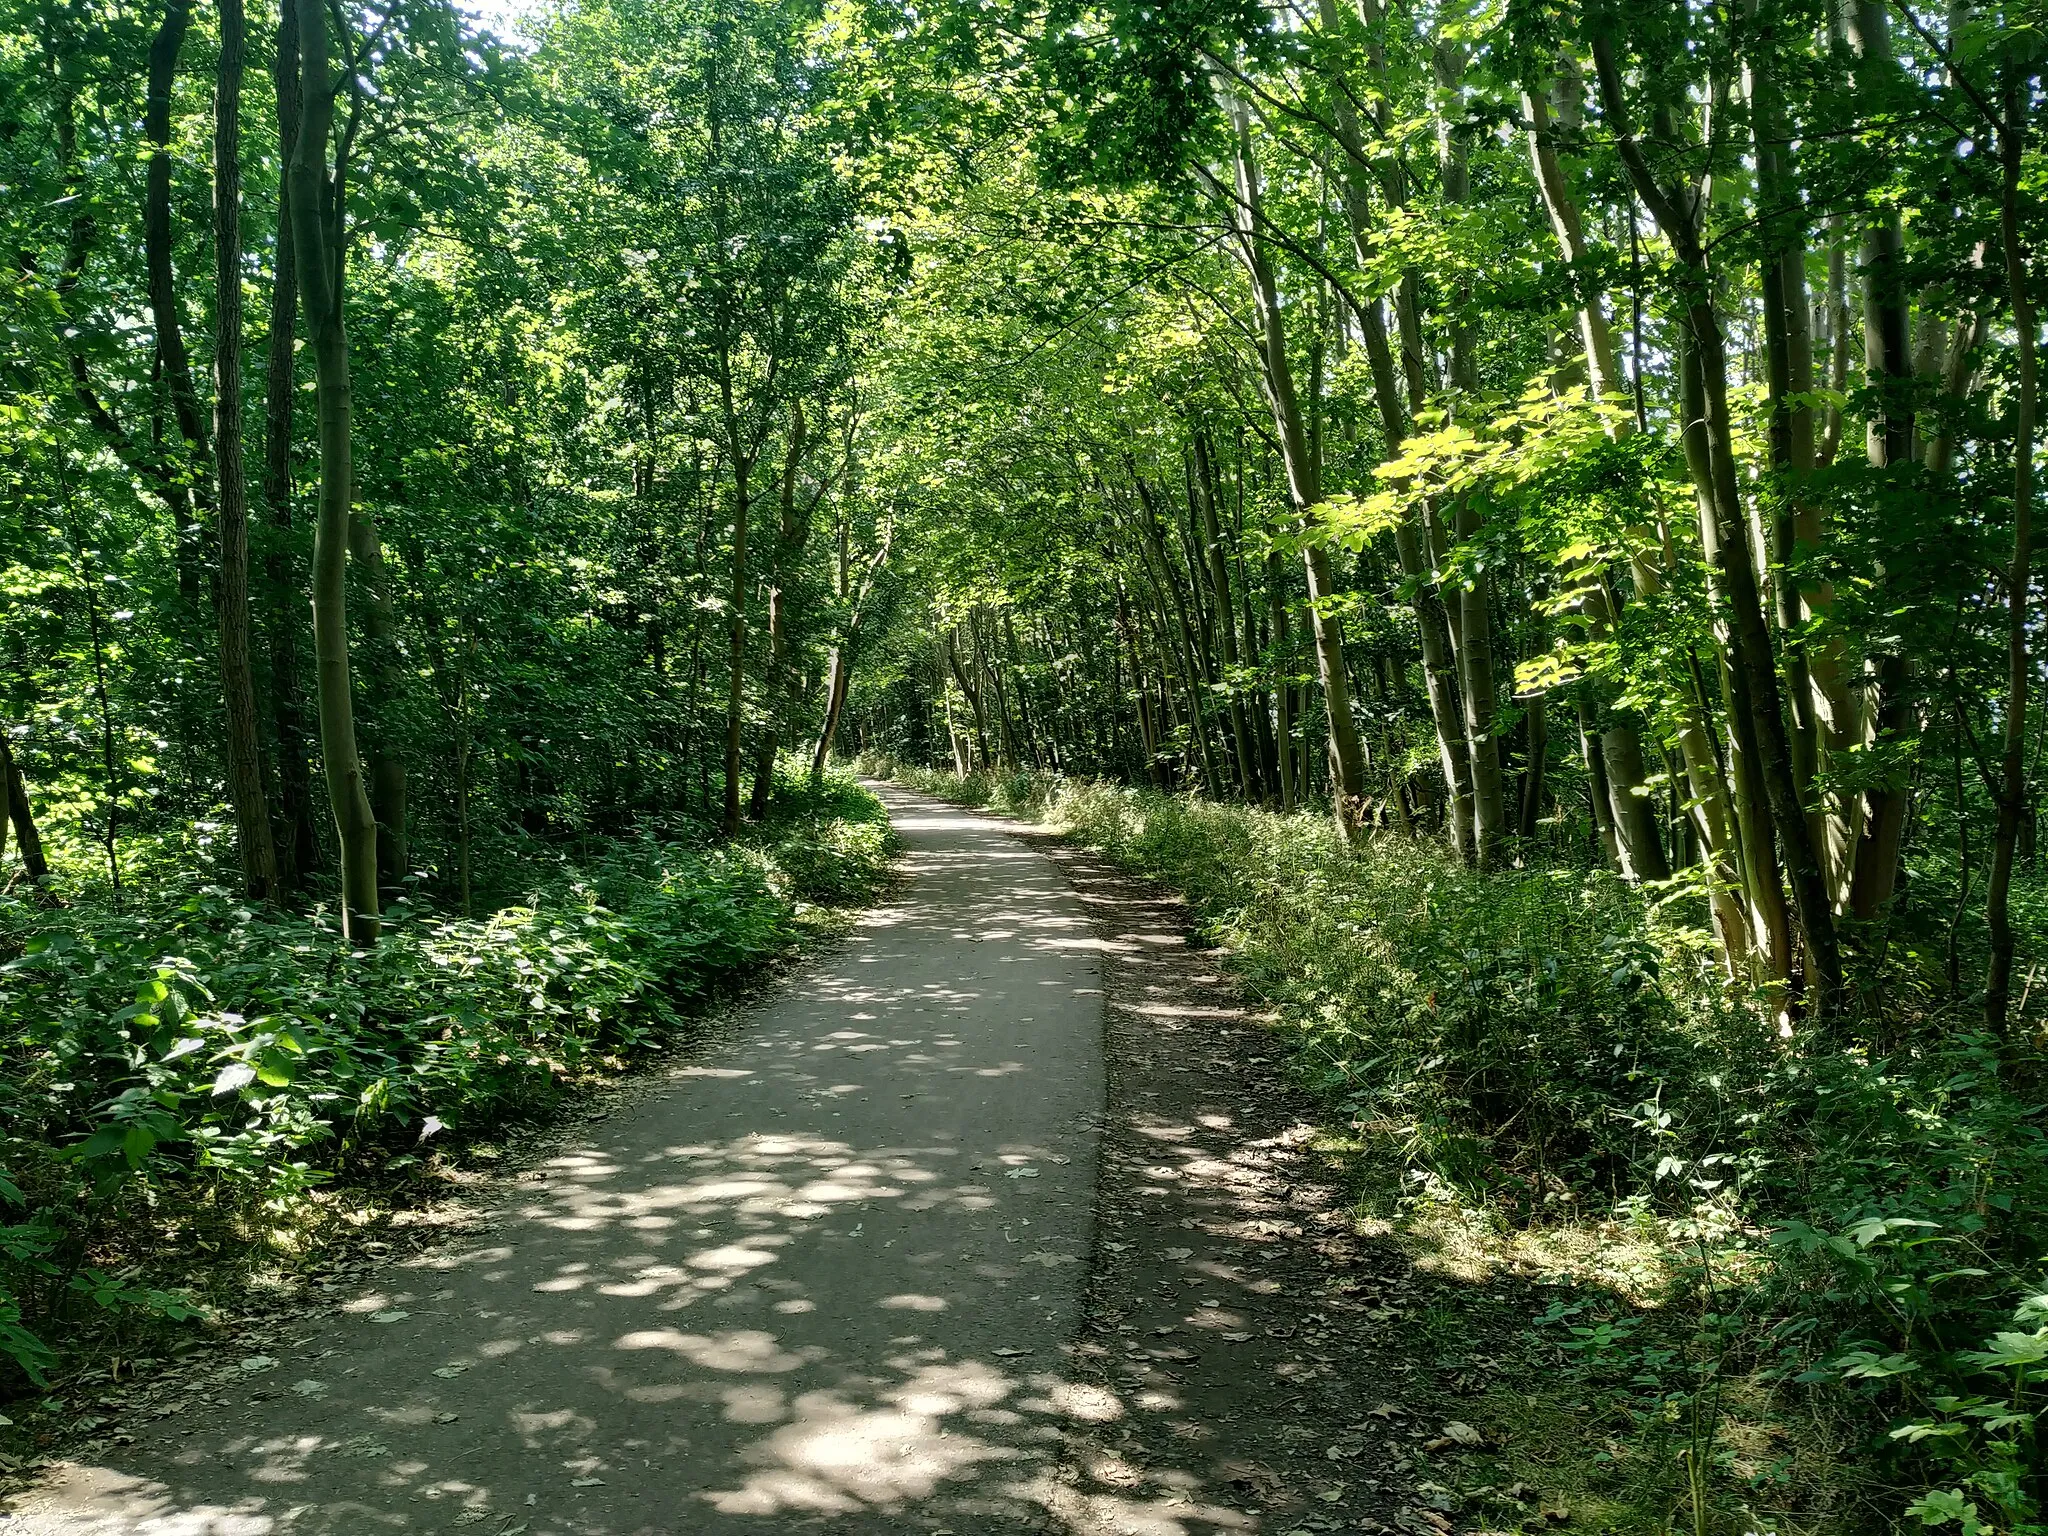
[(821, 1281)]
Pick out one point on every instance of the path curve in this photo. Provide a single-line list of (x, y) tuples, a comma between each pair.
[(823, 1282)]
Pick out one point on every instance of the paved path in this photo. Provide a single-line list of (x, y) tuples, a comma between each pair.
[(822, 1283)]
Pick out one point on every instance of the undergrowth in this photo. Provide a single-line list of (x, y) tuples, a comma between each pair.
[(184, 1075), (1798, 1247)]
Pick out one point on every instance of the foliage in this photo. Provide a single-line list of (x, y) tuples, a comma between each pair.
[(202, 1058), (1859, 1235)]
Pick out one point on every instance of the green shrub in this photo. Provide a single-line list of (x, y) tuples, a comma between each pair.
[(204, 1055), (1544, 1041)]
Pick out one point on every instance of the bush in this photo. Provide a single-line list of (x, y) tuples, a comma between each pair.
[(1543, 1041), (205, 1058)]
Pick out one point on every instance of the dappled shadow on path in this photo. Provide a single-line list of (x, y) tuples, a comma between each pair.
[(1238, 1326), (824, 1279)]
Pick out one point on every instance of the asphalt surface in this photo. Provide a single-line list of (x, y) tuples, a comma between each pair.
[(827, 1279)]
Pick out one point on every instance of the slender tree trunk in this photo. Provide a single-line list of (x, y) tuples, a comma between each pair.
[(297, 845), (1599, 793), (972, 693), (157, 239), (835, 702), (238, 686), (1794, 522), (21, 816), (1536, 755), (1475, 664), (2012, 783), (317, 250), (792, 532), (1226, 615), (1432, 623), (1888, 441), (1283, 649), (1304, 484), (385, 680), (1604, 380), (1757, 719), (1641, 851), (736, 648)]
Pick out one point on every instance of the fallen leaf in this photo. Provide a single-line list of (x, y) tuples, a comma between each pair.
[(1237, 1338), (446, 1418), (257, 1363), (1463, 1433), (1021, 1173), (1177, 1253), (393, 1315), (450, 1372), (309, 1387), (586, 1482), (1006, 1352)]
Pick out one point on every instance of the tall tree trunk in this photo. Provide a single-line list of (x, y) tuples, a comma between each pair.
[(736, 647), (792, 532), (1757, 721), (1794, 521), (384, 678), (1304, 485), (1603, 371), (2012, 783), (971, 692), (1226, 614), (21, 816), (1529, 807), (1475, 666), (1432, 623), (297, 847), (1148, 729), (318, 251), (157, 239), (1283, 649), (238, 685), (1888, 441)]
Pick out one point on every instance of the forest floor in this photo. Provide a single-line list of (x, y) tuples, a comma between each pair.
[(895, 1256)]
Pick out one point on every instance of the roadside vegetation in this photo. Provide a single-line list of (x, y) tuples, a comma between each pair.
[(199, 1088), (1525, 512), (1808, 1274)]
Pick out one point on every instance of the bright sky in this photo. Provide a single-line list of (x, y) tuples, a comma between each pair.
[(507, 18)]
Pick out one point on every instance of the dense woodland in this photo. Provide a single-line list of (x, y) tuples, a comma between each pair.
[(1523, 511)]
